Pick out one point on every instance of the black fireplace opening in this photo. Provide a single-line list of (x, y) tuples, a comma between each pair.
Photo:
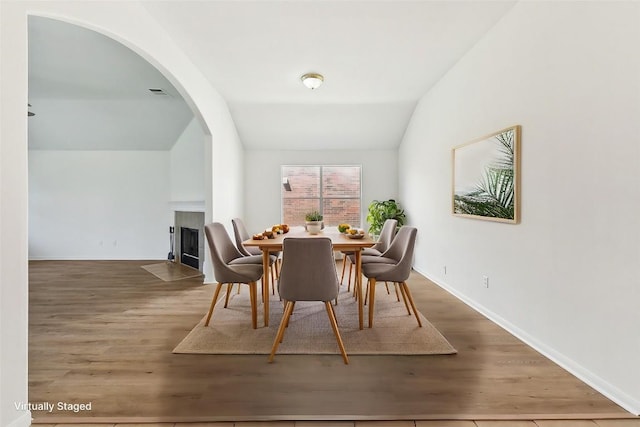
[(189, 253)]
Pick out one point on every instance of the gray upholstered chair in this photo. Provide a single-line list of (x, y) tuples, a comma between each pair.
[(230, 266), (394, 265), (384, 241), (308, 274), (241, 234)]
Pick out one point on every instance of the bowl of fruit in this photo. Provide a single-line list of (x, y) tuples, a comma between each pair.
[(343, 227), (280, 228), (354, 233)]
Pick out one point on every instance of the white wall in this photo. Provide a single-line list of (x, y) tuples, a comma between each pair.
[(130, 24), (13, 219), (567, 278), (227, 162), (263, 181), (187, 165), (98, 204)]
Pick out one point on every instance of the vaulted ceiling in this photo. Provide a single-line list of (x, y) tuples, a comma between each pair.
[(89, 92), (377, 57)]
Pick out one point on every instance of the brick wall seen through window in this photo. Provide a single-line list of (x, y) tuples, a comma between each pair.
[(333, 190)]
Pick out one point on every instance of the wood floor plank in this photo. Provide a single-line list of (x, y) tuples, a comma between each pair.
[(103, 331), (566, 423), (145, 425), (265, 424), (325, 424), (83, 425), (441, 423), (618, 423), (396, 423), (505, 423), (220, 424)]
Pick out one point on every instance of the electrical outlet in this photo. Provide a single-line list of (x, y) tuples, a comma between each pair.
[(485, 281)]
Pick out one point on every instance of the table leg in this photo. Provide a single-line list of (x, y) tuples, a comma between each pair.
[(265, 284), (358, 285)]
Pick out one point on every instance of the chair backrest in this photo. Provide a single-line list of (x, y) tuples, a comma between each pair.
[(241, 234), (223, 252), (221, 247), (308, 271), (401, 250), (386, 235), (406, 236)]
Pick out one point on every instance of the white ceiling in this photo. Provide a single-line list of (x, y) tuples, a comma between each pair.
[(89, 92), (378, 58)]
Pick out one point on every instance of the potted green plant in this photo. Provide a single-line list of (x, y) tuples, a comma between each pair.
[(380, 211), (313, 222)]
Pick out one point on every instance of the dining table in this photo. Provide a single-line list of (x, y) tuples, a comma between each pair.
[(340, 242)]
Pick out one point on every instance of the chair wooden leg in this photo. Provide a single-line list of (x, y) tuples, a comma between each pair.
[(293, 305), (226, 298), (273, 280), (285, 316), (386, 285), (349, 282), (344, 265), (366, 292), (413, 306), (213, 303), (372, 296), (276, 265), (238, 291), (334, 325), (253, 291), (404, 297), (395, 286)]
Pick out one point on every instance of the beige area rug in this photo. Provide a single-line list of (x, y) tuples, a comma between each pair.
[(309, 331), (171, 271)]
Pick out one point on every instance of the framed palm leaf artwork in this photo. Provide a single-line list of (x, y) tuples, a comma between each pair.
[(486, 177)]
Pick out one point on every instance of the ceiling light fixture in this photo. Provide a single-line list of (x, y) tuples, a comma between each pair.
[(312, 80)]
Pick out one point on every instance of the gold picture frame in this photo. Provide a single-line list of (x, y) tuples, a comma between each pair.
[(486, 177)]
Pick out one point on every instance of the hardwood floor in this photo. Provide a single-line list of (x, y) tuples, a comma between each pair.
[(438, 423), (102, 332)]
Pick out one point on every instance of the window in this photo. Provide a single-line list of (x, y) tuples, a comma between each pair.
[(332, 190)]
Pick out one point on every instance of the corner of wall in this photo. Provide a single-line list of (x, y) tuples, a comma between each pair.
[(23, 421)]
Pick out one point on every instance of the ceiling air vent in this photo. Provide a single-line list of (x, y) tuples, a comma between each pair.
[(158, 92)]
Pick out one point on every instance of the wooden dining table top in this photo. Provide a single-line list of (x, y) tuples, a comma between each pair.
[(338, 240)]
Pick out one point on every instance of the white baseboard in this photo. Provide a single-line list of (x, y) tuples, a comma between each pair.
[(607, 389), (23, 421), (90, 258)]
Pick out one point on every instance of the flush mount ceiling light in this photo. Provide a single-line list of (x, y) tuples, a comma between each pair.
[(312, 80)]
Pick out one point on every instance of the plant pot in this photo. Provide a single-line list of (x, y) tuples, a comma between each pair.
[(314, 227)]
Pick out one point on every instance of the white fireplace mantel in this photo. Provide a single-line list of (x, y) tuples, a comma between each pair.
[(187, 206)]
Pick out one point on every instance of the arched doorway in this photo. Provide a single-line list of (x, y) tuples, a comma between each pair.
[(112, 144)]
